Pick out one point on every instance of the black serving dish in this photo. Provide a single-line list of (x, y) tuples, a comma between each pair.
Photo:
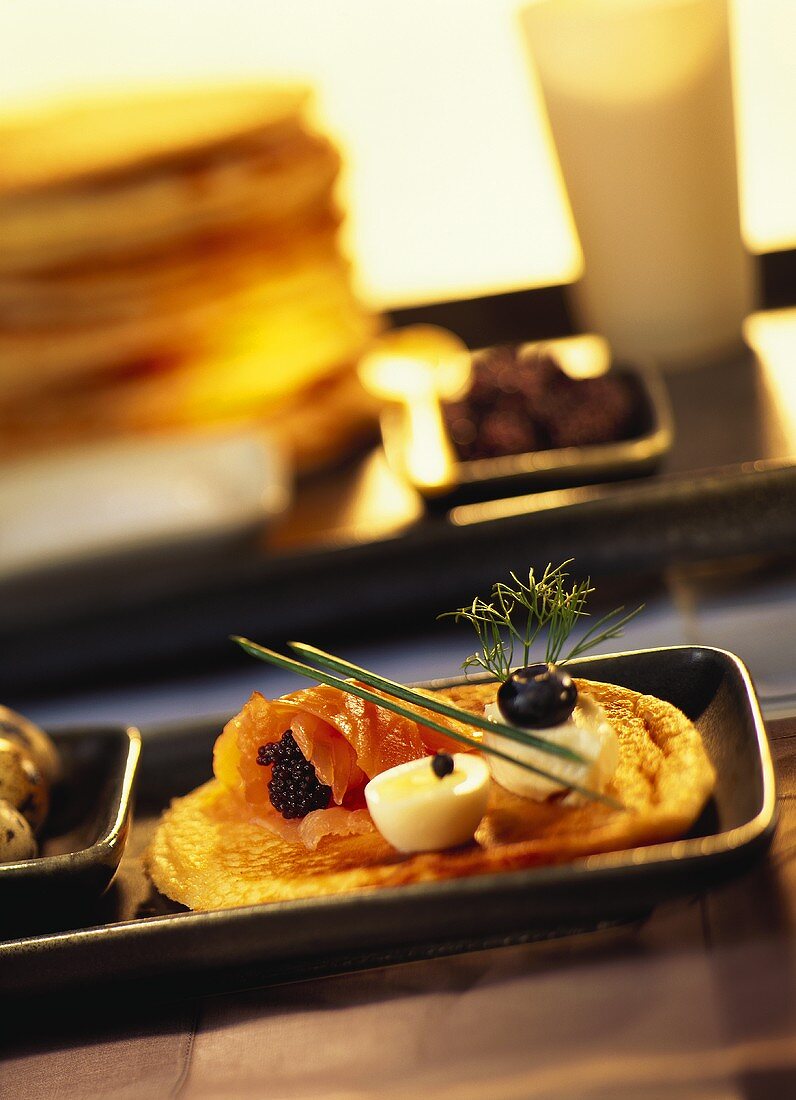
[(641, 452), (143, 944), (85, 834)]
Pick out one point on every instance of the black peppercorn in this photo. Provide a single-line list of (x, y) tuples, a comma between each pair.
[(442, 764)]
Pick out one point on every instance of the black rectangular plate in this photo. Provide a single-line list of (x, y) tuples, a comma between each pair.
[(184, 953)]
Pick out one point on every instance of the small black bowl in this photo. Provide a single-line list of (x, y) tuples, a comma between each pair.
[(85, 834), (639, 453)]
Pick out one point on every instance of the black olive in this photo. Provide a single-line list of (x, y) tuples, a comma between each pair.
[(537, 696)]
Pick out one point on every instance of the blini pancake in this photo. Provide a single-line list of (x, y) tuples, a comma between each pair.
[(207, 853)]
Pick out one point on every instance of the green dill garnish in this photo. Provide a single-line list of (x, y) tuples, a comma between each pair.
[(516, 614)]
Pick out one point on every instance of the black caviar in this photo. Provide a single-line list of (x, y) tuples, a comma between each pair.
[(294, 788), (442, 764)]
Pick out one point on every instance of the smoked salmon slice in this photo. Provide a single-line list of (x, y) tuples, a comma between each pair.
[(348, 740)]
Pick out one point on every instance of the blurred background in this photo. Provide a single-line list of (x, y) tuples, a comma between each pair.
[(212, 215), (435, 108)]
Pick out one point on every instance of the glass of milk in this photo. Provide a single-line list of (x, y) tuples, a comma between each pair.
[(639, 97)]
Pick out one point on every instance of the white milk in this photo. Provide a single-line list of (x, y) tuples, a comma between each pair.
[(639, 97)]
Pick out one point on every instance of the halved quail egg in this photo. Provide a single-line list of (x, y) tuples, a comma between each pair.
[(430, 804)]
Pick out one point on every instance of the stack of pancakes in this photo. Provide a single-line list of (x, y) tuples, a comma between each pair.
[(171, 260)]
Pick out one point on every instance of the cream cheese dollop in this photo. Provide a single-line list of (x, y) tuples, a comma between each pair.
[(587, 731), (417, 811)]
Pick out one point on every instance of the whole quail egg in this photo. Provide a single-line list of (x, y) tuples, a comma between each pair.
[(22, 784), (16, 836), (15, 727)]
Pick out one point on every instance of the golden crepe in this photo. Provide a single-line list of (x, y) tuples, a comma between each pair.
[(171, 259), (113, 172), (209, 853)]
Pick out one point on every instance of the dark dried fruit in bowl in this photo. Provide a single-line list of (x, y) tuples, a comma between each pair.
[(521, 400)]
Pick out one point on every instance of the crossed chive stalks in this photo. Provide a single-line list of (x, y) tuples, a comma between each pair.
[(326, 665)]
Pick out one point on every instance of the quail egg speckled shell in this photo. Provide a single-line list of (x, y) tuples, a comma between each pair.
[(15, 727), (17, 841), (22, 784)]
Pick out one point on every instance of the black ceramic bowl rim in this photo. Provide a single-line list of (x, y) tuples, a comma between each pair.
[(113, 833)]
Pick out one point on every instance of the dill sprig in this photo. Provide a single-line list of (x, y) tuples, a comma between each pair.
[(509, 623)]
